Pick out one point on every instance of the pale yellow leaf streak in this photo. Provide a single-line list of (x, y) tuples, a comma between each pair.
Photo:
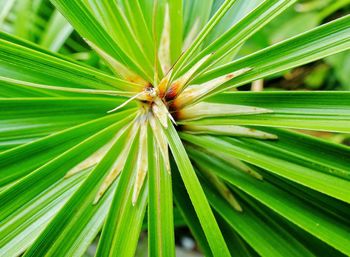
[(161, 140), (232, 161), (142, 161), (191, 36), (229, 130), (96, 157), (164, 45), (178, 85), (194, 92), (204, 110), (91, 161), (223, 190), (161, 112), (117, 67), (118, 165)]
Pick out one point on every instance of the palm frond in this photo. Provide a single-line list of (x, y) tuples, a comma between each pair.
[(156, 137)]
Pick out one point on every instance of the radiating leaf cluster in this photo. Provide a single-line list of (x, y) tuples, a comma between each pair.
[(153, 135)]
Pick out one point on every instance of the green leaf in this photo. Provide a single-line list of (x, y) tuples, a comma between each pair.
[(323, 226), (195, 191), (330, 158), (40, 68), (237, 245), (29, 221), (302, 172), (266, 237), (238, 11), (330, 103), (79, 220), (136, 16), (235, 36), (202, 35), (195, 14), (326, 111), (21, 108), (176, 26), (309, 122), (13, 90), (185, 207), (315, 44), (25, 119), (20, 41), (56, 32), (121, 230), (118, 27), (160, 205), (39, 152), (92, 29)]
